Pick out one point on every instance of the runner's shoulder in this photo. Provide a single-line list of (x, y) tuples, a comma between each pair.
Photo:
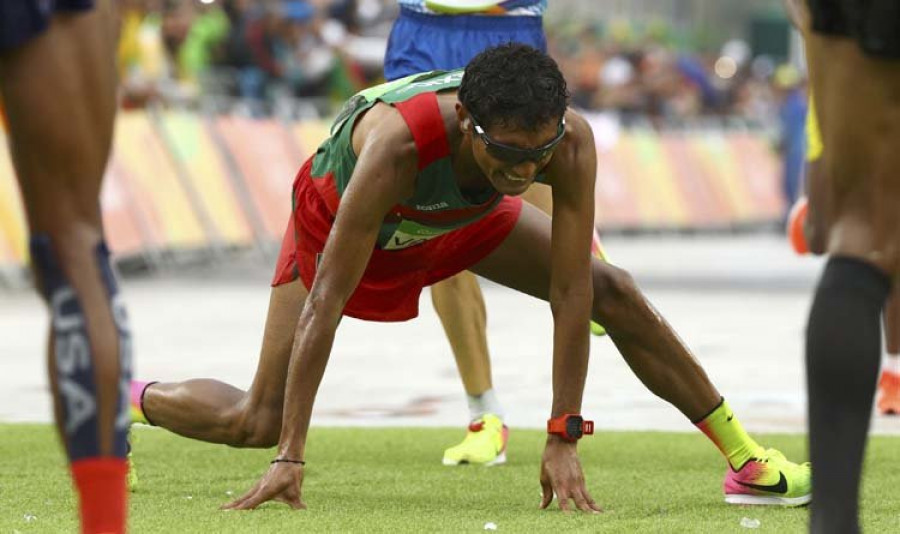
[(383, 127)]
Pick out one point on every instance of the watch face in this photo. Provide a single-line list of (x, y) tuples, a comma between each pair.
[(574, 426)]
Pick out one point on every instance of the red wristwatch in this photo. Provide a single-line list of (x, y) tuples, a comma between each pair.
[(570, 426)]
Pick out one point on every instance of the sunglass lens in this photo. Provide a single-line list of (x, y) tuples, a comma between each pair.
[(506, 155)]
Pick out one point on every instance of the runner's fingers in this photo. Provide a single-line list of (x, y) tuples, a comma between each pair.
[(238, 504), (586, 503), (546, 494), (580, 501), (253, 501), (562, 497), (263, 494), (593, 504)]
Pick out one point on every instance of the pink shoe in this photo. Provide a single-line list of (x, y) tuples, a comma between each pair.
[(769, 479)]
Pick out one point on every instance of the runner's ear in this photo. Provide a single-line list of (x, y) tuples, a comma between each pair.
[(464, 125)]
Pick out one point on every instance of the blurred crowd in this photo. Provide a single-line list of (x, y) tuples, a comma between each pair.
[(647, 82), (255, 54), (302, 58), (644, 77)]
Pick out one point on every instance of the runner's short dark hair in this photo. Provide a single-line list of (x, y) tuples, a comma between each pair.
[(514, 85)]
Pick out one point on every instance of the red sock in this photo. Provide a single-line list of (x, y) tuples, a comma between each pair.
[(101, 491)]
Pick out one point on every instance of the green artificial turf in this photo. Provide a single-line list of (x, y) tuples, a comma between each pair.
[(392, 480)]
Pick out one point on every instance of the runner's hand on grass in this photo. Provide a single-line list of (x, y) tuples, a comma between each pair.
[(561, 475), (280, 483)]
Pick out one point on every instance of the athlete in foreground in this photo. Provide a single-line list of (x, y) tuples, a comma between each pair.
[(421, 179), (57, 80), (806, 231), (853, 52)]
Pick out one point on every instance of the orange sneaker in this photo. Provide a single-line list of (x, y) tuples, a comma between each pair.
[(889, 393), (796, 219)]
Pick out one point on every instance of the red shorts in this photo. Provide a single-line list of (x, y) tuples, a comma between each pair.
[(391, 284)]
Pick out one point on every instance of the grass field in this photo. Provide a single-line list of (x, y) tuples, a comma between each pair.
[(391, 480)]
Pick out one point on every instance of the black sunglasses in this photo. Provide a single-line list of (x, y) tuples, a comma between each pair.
[(513, 154)]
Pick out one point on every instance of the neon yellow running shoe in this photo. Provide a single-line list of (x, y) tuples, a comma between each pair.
[(769, 479), (485, 443)]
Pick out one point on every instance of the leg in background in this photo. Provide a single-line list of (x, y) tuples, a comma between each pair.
[(857, 106)]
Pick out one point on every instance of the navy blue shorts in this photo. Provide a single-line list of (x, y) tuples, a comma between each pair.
[(874, 24), (421, 42), (20, 20)]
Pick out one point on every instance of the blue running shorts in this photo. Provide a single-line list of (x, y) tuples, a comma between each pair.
[(420, 42), (20, 20)]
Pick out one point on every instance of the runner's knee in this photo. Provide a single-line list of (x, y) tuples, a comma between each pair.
[(74, 252), (614, 291)]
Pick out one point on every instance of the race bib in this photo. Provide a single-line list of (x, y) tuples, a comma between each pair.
[(409, 234)]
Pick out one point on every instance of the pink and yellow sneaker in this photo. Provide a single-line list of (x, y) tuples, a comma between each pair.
[(137, 393), (889, 393), (485, 443), (769, 479)]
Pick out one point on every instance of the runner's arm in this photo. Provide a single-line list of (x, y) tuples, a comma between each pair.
[(572, 173), (384, 174)]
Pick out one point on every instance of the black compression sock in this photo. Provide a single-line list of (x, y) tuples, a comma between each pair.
[(843, 351)]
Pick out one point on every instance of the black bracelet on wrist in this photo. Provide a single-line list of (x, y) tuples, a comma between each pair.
[(287, 461)]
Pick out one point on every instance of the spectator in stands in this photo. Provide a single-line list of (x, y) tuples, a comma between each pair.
[(143, 62), (307, 61), (792, 125), (203, 43), (236, 51), (261, 37)]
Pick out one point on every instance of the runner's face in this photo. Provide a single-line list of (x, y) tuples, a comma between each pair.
[(511, 157)]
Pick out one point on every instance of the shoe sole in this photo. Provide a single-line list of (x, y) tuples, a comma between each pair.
[(761, 500), (499, 460)]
